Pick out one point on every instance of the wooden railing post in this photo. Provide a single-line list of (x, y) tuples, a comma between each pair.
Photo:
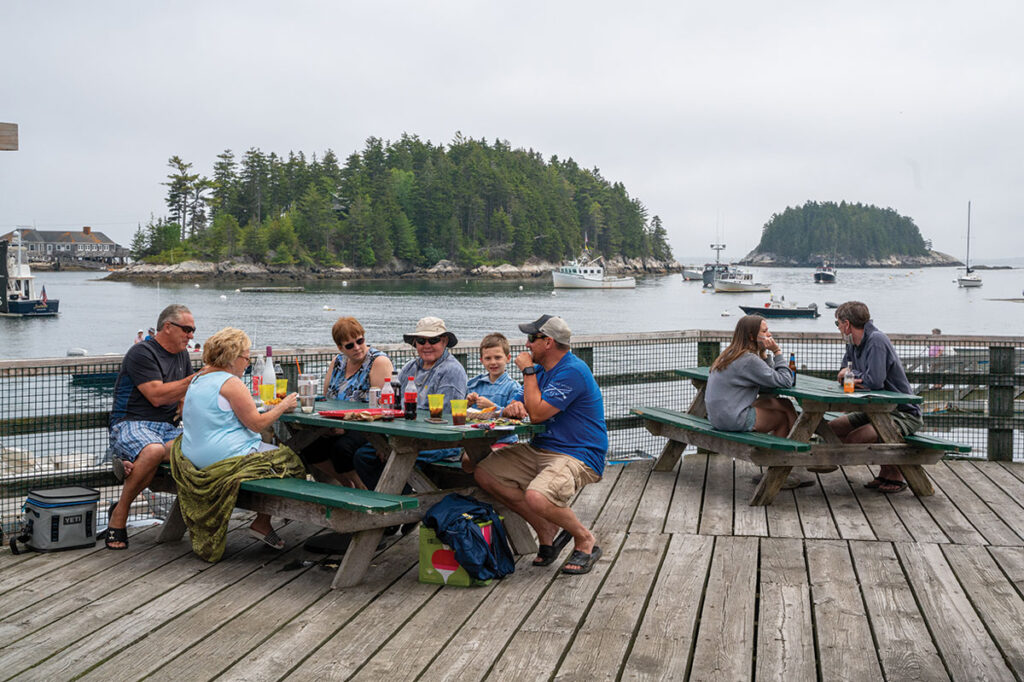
[(1000, 402), (707, 351)]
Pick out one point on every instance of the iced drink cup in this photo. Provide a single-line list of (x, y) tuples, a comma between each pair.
[(459, 408), (436, 402)]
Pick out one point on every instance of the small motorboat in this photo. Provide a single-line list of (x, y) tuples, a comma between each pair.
[(738, 281), (780, 308), (692, 273), (830, 304), (586, 272), (825, 274)]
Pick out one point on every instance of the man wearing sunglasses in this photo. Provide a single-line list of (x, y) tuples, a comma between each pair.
[(154, 376), (539, 478), (434, 370)]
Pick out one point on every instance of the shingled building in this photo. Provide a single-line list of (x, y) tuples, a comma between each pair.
[(65, 246)]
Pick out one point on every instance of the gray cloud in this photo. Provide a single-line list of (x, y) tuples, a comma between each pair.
[(718, 115)]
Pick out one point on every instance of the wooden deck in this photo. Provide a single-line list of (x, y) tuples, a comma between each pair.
[(830, 582)]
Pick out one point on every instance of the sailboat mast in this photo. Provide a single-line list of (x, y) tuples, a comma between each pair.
[(968, 260)]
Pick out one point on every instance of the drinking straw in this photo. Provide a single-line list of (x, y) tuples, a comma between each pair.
[(297, 368)]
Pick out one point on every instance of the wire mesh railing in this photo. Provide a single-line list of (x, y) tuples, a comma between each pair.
[(53, 416)]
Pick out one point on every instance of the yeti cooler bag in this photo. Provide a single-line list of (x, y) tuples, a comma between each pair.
[(60, 518)]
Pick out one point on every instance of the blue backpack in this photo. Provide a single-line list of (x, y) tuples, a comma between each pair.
[(456, 521)]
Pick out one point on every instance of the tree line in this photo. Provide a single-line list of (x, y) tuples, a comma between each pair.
[(470, 202), (815, 230)]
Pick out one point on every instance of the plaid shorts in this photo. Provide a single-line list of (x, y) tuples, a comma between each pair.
[(127, 438)]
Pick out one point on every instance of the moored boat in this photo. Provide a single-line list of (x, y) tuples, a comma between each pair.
[(737, 281), (825, 274), (586, 272), (18, 285), (968, 280), (780, 308), (692, 273)]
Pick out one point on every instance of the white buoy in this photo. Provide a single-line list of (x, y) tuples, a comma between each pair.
[(196, 286), (520, 287), (554, 293), (344, 282), (238, 291), (223, 297)]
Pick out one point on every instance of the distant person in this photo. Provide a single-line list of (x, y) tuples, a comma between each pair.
[(140, 336), (539, 478), (220, 447), (936, 349), (152, 381), (150, 334), (197, 348), (875, 366)]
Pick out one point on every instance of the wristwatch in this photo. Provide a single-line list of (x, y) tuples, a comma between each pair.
[(527, 371)]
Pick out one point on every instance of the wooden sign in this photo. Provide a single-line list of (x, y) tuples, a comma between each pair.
[(8, 137)]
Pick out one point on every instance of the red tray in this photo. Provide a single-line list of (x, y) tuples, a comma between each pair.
[(341, 414)]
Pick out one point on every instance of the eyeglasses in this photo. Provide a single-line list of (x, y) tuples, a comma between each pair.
[(244, 357), (534, 337), (838, 322), (183, 327), (433, 341), (352, 344)]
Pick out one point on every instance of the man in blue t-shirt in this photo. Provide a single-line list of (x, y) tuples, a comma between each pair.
[(538, 479)]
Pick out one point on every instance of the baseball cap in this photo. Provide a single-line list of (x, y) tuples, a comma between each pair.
[(548, 325)]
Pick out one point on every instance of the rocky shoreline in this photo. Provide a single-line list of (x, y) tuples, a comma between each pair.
[(934, 259), (444, 269)]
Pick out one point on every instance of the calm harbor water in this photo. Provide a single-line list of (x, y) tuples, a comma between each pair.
[(102, 316)]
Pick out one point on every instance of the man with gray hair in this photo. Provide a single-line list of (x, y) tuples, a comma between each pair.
[(154, 376), (539, 478)]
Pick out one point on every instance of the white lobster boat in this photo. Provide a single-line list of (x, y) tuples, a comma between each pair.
[(737, 281), (588, 273)]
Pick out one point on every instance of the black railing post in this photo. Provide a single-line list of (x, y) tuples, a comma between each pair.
[(707, 351), (1000, 402)]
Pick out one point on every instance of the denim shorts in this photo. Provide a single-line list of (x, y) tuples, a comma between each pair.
[(751, 418), (127, 438)]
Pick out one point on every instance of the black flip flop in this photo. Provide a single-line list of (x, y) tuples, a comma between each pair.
[(115, 535), (900, 486), (583, 560), (546, 554)]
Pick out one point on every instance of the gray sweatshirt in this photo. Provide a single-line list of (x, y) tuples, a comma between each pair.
[(731, 392)]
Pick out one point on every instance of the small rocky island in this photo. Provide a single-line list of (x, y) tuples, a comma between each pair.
[(845, 234)]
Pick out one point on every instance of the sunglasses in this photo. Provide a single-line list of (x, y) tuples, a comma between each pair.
[(352, 344), (184, 327), (419, 340), (534, 337)]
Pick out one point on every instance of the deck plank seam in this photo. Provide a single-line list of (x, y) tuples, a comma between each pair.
[(947, 471), (978, 611), (700, 610), (995, 508), (860, 503), (935, 518)]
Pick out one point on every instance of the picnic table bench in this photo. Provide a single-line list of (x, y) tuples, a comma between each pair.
[(816, 398)]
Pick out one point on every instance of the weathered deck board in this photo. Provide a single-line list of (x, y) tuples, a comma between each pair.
[(728, 603), (905, 647), (968, 651), (845, 648), (723, 650), (684, 514), (785, 636)]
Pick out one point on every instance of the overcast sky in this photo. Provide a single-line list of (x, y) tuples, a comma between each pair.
[(715, 116)]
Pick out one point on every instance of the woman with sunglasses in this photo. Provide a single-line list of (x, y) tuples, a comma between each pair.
[(349, 377), (434, 370)]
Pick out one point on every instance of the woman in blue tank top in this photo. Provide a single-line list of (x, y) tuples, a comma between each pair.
[(219, 417)]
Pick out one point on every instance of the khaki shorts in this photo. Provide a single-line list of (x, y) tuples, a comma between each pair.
[(905, 422), (555, 476)]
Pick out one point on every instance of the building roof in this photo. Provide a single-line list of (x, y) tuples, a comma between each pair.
[(60, 236)]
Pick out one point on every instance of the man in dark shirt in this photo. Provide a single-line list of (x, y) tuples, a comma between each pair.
[(874, 364), (154, 376)]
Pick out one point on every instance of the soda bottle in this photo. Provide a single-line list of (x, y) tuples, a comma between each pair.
[(792, 366), (387, 401), (410, 398), (848, 378)]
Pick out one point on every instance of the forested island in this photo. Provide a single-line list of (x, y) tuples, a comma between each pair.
[(849, 234), (398, 207)]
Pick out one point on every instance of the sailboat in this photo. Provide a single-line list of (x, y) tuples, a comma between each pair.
[(968, 280)]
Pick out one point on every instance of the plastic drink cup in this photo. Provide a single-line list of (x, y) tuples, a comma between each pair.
[(266, 392), (436, 402), (459, 408), (306, 403), (282, 388)]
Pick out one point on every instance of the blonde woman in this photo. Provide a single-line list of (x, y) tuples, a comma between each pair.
[(221, 447)]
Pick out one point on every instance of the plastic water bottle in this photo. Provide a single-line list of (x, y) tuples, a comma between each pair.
[(848, 378), (410, 398), (387, 400), (269, 375)]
